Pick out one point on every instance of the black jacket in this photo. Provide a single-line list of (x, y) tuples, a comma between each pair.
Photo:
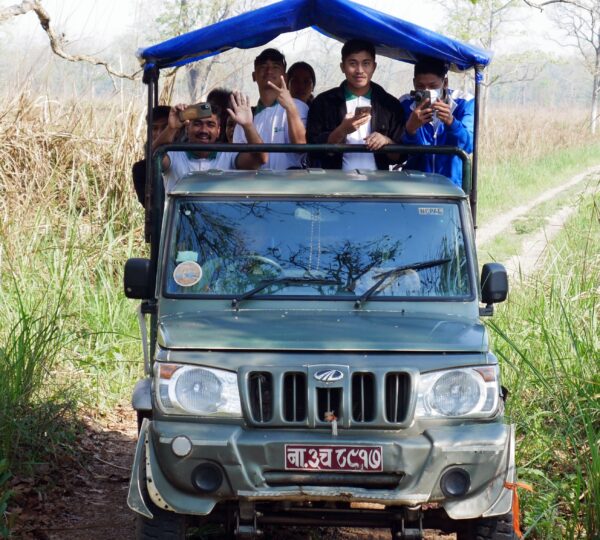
[(329, 109)]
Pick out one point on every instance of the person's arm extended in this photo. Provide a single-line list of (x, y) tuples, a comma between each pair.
[(241, 112), (296, 128), (168, 134)]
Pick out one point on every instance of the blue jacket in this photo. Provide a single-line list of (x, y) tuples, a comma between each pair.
[(460, 134)]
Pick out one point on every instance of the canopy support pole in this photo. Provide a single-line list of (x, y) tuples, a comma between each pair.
[(150, 202), (473, 194)]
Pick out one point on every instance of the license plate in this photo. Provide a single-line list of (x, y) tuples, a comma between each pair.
[(301, 457)]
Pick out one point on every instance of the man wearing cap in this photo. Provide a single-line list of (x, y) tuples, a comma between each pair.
[(278, 117), (356, 112), (446, 119), (206, 130)]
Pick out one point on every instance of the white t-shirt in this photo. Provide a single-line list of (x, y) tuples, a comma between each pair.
[(272, 126), (181, 165), (366, 161)]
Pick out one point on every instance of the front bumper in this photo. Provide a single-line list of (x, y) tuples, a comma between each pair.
[(249, 457)]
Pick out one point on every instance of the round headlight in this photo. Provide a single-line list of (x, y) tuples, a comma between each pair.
[(455, 393), (198, 390)]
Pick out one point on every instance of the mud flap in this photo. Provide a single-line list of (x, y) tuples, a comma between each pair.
[(135, 497)]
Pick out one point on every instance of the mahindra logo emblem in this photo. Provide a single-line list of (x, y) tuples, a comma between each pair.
[(329, 375)]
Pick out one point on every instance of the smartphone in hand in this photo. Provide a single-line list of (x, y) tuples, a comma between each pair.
[(362, 111), (196, 112)]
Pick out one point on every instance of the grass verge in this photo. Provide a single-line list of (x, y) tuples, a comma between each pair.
[(548, 337)]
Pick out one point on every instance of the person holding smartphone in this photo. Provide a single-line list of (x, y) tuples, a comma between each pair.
[(358, 111), (436, 116), (202, 124)]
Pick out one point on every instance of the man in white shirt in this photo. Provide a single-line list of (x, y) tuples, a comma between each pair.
[(358, 111), (206, 130), (278, 117)]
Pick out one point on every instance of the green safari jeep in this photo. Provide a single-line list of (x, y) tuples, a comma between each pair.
[(317, 358)]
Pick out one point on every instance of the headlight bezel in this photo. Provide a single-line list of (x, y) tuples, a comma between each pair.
[(487, 378), (166, 377)]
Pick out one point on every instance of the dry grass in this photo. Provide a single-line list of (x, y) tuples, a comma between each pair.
[(518, 133)]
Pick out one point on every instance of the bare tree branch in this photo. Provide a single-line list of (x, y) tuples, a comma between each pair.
[(18, 9), (57, 42)]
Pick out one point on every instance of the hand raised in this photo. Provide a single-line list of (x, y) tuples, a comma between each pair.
[(174, 120), (240, 109), (284, 97)]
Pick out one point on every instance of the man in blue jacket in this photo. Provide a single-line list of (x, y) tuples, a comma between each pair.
[(446, 119)]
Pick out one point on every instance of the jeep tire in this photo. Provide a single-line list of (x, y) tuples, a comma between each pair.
[(165, 525), (494, 528)]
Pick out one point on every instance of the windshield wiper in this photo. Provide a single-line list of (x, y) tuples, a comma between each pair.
[(282, 281), (394, 271)]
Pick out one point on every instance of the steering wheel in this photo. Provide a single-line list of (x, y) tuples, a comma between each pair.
[(265, 260)]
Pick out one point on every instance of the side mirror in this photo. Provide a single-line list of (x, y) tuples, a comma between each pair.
[(138, 279), (494, 283)]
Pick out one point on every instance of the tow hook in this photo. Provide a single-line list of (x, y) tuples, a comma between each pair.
[(246, 522), (410, 526)]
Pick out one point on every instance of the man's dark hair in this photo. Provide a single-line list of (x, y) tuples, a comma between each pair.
[(160, 111), (270, 54), (431, 65), (220, 97), (355, 46), (302, 65)]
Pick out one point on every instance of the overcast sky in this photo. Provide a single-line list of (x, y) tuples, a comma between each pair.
[(96, 23)]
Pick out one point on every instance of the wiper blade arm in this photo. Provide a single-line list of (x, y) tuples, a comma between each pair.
[(399, 269), (281, 281)]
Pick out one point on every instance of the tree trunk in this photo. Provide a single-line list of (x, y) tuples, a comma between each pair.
[(192, 83), (595, 95)]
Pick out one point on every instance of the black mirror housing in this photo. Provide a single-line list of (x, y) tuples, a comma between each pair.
[(494, 283), (138, 280)]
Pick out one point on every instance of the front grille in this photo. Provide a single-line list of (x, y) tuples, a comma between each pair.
[(294, 397), (378, 398), (261, 396), (329, 404), (397, 396), (363, 397)]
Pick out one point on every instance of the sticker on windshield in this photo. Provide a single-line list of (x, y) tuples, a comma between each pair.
[(431, 211), (187, 274), (183, 256)]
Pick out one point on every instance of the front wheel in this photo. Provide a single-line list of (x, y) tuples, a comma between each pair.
[(164, 526), (494, 528)]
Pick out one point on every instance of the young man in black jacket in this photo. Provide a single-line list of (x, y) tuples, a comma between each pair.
[(356, 112)]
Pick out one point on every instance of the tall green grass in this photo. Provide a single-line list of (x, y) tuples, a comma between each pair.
[(68, 222), (548, 336)]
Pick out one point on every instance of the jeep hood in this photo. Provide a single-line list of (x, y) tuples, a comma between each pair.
[(311, 330)]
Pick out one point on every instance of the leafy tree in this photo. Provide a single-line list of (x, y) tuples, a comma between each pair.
[(484, 23), (580, 21)]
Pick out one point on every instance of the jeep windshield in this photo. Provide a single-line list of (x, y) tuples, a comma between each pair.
[(331, 249)]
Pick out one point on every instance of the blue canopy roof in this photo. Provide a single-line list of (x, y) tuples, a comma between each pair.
[(338, 19)]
